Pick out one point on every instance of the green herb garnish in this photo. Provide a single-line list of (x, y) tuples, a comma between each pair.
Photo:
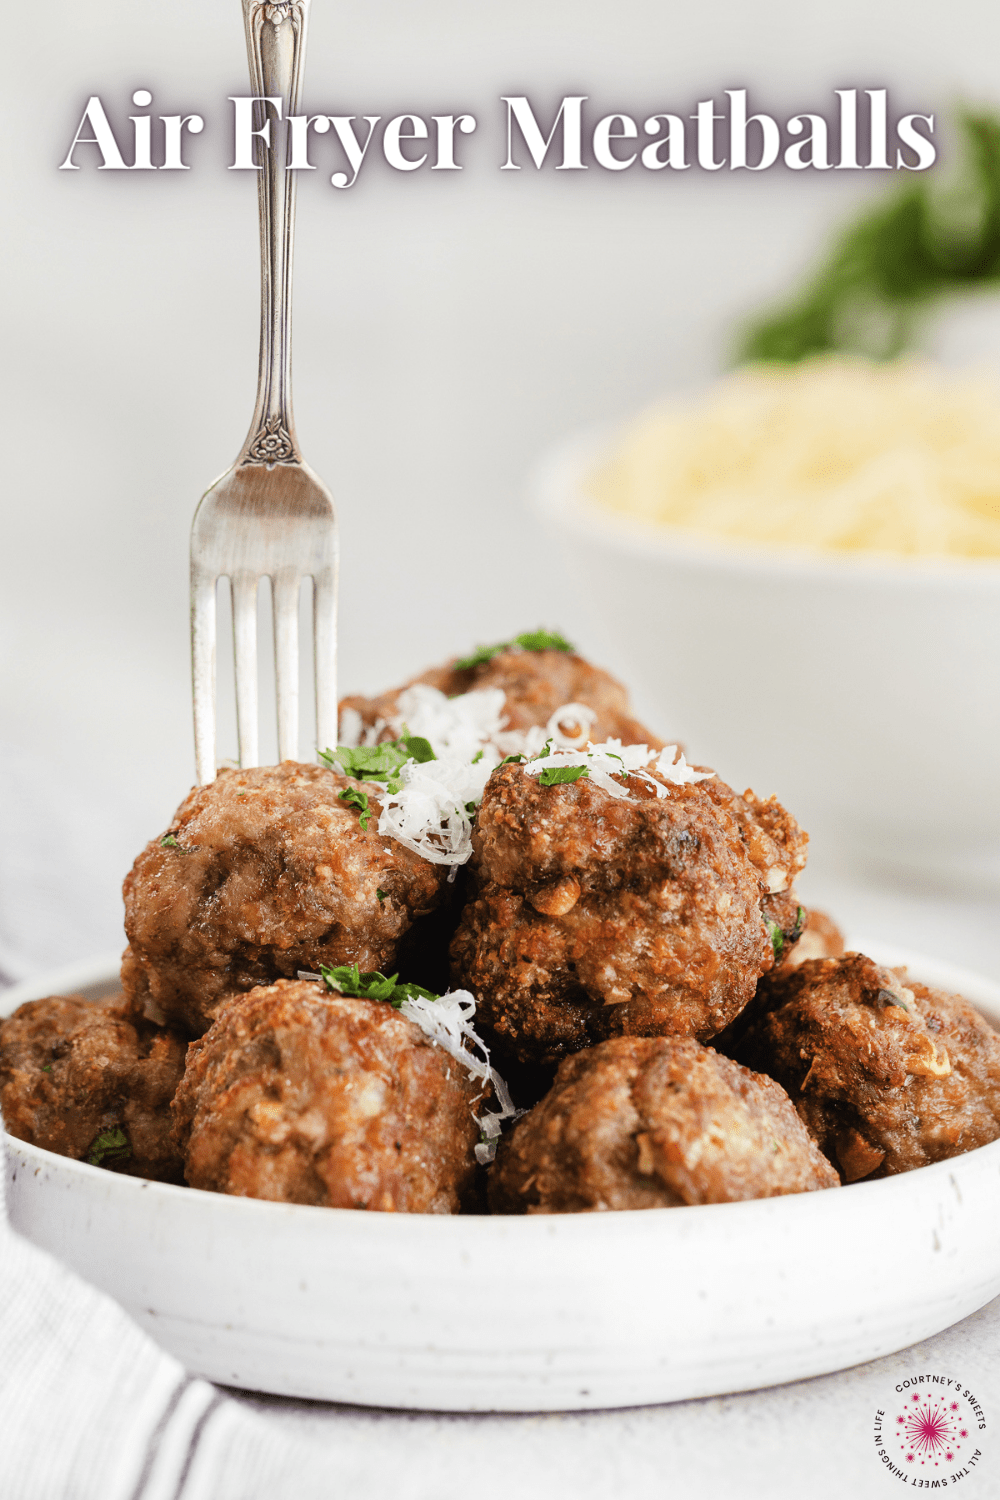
[(169, 842), (354, 798), (348, 980), (886, 997), (513, 760), (110, 1145), (46, 1067), (380, 893), (379, 762), (477, 757), (529, 640), (560, 775), (896, 260), (777, 937)]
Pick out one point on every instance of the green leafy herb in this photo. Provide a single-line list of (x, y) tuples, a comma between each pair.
[(354, 798), (920, 243), (477, 757), (528, 640), (800, 922), (380, 893), (347, 979), (777, 937), (559, 775), (110, 1145), (886, 997), (46, 1067), (169, 842), (472, 808), (379, 762), (546, 750), (513, 760)]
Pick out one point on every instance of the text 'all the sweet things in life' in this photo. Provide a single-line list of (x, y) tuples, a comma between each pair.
[(858, 132)]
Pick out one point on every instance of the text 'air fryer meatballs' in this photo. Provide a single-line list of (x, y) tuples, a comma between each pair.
[(262, 873), (596, 915), (887, 1074), (535, 684), (301, 1096), (655, 1122), (93, 1082)]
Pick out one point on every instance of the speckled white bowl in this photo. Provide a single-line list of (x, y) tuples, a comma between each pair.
[(524, 1314)]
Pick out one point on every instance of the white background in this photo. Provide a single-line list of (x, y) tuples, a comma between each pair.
[(448, 328)]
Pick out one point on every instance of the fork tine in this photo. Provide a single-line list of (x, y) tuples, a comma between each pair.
[(203, 670), (245, 655), (325, 658), (286, 660)]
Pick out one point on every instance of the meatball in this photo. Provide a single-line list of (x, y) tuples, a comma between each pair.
[(92, 1081), (597, 916), (536, 683), (302, 1096), (654, 1122), (262, 873), (887, 1074)]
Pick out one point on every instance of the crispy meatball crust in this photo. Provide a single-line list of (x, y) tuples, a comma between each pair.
[(301, 1096), (887, 1074), (536, 684), (71, 1069), (654, 1122), (598, 917), (273, 874)]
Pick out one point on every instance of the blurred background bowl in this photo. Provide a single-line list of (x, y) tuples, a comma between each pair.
[(862, 690)]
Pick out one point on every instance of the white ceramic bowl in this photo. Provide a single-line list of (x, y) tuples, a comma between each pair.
[(864, 691), (512, 1314)]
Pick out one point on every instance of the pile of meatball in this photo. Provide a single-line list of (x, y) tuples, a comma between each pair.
[(674, 1027)]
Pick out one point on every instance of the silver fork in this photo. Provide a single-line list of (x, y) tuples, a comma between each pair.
[(269, 515)]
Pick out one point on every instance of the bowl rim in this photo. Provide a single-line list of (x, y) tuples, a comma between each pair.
[(97, 974), (557, 494)]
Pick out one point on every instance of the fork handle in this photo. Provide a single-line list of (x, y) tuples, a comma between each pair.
[(276, 45)]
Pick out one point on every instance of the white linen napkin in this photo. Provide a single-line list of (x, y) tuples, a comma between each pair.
[(91, 1409)]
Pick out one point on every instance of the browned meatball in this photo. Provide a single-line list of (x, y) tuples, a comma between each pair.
[(301, 1096), (262, 873), (597, 916), (887, 1074), (536, 684), (92, 1081), (654, 1122)]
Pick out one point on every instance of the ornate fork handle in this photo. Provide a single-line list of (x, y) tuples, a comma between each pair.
[(276, 44)]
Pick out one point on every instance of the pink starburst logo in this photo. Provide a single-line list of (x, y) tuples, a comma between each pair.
[(928, 1433)]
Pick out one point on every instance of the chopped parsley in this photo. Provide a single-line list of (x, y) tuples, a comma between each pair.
[(348, 980), (46, 1067), (529, 640), (886, 997), (513, 760), (559, 775), (777, 937), (380, 893), (110, 1145), (354, 798), (169, 842), (379, 762)]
